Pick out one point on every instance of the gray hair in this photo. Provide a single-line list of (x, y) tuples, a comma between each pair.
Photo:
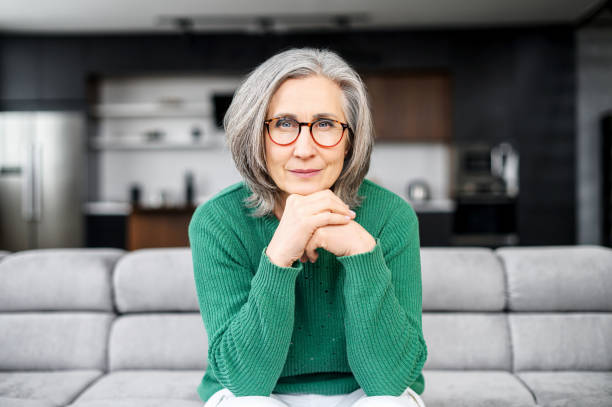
[(244, 127)]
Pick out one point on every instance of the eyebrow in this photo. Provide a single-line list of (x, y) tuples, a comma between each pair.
[(314, 116)]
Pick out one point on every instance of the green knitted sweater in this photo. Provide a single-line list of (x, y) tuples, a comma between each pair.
[(327, 327)]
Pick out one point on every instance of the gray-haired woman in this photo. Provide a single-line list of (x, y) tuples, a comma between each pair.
[(308, 276)]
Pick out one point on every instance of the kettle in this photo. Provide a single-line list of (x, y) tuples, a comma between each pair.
[(418, 191)]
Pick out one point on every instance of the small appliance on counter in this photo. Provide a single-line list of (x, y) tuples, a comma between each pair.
[(418, 191)]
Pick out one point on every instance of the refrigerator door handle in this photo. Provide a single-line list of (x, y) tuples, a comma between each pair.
[(30, 192), (37, 178), (26, 185)]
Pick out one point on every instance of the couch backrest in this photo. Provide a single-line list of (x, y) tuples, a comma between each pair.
[(464, 298), (56, 308), (560, 298), (159, 325)]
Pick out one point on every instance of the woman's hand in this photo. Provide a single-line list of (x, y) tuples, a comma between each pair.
[(341, 240), (302, 217)]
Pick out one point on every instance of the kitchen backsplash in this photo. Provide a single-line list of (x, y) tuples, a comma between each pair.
[(392, 166)]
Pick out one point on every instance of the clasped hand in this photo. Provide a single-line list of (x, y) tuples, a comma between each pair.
[(317, 220)]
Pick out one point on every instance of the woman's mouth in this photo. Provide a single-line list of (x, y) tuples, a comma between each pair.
[(305, 173)]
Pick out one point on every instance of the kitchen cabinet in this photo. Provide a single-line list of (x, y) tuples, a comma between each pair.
[(410, 106), (62, 73), (41, 73), (435, 218), (19, 79), (159, 227), (435, 228)]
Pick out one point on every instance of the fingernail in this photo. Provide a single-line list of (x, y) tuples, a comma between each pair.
[(352, 213)]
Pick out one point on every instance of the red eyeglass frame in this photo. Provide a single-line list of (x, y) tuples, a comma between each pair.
[(309, 125)]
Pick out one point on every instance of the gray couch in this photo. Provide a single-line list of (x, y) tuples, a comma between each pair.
[(103, 327)]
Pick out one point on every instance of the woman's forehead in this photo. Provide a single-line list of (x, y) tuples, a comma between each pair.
[(308, 98)]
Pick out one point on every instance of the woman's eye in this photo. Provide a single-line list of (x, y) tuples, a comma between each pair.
[(284, 123), (325, 124)]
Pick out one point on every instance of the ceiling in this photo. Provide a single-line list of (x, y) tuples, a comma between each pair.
[(113, 16)]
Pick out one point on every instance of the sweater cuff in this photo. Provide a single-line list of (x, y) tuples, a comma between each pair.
[(275, 279), (364, 268)]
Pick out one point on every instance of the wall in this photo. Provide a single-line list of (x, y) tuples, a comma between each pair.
[(594, 60)]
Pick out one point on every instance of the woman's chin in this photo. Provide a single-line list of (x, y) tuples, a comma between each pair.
[(305, 189)]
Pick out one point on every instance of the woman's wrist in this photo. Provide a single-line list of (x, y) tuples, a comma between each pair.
[(366, 246), (276, 260)]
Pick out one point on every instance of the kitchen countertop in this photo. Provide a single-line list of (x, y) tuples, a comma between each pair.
[(107, 208), (125, 208), (433, 205)]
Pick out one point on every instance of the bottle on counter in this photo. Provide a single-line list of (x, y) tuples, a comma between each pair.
[(189, 189), (135, 195)]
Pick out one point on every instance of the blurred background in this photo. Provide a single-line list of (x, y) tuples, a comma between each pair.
[(493, 117)]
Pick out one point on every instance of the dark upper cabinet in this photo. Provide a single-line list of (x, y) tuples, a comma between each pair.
[(19, 69), (62, 73), (35, 72)]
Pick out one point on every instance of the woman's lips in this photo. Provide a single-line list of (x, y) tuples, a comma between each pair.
[(305, 173)]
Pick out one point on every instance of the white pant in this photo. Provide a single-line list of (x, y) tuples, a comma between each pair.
[(225, 398)]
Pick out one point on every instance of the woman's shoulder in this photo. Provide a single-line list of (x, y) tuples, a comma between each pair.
[(383, 211), (225, 204), (380, 200)]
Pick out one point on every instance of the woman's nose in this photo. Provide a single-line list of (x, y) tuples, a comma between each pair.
[(304, 145)]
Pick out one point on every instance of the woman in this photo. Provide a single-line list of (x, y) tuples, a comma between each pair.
[(304, 301)]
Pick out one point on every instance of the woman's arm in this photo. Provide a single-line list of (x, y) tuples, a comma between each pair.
[(248, 319), (382, 290)]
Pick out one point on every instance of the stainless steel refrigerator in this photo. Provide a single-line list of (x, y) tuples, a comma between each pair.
[(42, 180)]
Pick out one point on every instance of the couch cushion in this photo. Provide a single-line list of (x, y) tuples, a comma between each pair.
[(57, 279), (3, 253), (585, 389), (12, 402), (571, 341), (158, 341), (475, 388), (141, 384), (467, 341), (44, 388), (449, 277), (54, 340), (558, 278), (139, 402), (155, 280)]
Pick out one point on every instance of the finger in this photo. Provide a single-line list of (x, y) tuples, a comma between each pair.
[(327, 204), (326, 194), (311, 250), (328, 218)]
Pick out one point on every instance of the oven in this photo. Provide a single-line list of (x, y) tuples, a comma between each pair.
[(485, 193)]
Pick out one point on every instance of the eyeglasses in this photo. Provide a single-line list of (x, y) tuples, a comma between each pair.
[(325, 132)]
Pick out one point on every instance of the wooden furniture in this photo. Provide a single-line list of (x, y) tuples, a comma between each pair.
[(410, 106), (159, 227)]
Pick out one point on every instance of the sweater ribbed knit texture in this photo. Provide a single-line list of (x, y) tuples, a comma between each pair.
[(327, 327)]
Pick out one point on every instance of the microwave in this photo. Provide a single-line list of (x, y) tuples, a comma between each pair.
[(482, 170)]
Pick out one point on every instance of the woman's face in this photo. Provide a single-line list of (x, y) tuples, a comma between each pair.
[(305, 100)]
